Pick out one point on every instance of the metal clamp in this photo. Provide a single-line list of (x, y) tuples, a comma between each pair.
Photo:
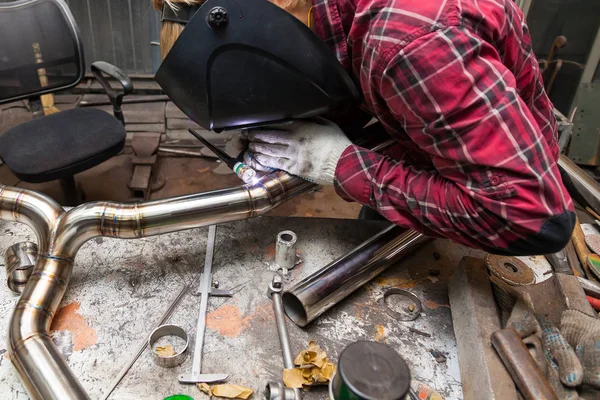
[(178, 357)]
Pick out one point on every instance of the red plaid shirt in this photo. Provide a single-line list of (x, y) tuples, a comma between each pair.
[(456, 83)]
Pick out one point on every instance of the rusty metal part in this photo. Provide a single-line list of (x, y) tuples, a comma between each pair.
[(510, 269), (407, 316), (322, 290), (60, 234), (474, 310), (20, 259), (285, 250), (521, 366)]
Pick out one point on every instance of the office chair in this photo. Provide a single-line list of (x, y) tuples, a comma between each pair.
[(41, 53)]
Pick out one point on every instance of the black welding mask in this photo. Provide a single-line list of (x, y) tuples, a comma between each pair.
[(245, 63)]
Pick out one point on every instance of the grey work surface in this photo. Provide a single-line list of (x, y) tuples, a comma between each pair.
[(120, 288)]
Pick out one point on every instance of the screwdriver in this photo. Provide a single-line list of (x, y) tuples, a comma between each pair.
[(244, 172)]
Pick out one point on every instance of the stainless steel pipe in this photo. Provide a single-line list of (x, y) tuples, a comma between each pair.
[(60, 234), (317, 293), (582, 187)]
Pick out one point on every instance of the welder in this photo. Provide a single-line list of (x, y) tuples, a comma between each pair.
[(456, 85)]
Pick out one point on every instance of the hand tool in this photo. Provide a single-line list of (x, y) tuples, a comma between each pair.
[(582, 250), (590, 288), (573, 259), (205, 288), (276, 390), (144, 342), (520, 365), (244, 172), (172, 360), (560, 262)]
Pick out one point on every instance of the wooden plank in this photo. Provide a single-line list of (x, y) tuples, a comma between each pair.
[(180, 123), (172, 111), (183, 134), (159, 128)]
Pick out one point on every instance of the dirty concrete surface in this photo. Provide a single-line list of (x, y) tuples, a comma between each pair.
[(120, 288)]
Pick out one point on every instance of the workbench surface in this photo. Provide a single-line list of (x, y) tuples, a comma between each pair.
[(121, 288)]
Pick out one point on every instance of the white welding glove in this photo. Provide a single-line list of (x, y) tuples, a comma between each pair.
[(306, 148)]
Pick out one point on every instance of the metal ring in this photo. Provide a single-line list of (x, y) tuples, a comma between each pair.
[(178, 357), (402, 317)]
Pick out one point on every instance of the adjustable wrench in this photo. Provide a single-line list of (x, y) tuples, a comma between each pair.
[(276, 390)]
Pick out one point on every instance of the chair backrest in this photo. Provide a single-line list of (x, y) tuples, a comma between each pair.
[(40, 49)]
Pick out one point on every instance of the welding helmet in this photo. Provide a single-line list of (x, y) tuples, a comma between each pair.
[(245, 63)]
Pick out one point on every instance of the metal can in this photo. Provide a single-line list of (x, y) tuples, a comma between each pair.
[(370, 371)]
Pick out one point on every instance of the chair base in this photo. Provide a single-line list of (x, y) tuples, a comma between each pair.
[(72, 193)]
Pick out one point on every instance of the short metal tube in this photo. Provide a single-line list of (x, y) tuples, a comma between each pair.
[(320, 291), (285, 249)]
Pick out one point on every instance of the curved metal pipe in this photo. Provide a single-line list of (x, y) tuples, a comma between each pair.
[(322, 290), (60, 235)]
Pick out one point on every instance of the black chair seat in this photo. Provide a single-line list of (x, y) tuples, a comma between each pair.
[(61, 145)]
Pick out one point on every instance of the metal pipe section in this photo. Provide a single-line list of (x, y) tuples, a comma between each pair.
[(317, 293), (60, 235), (582, 187)]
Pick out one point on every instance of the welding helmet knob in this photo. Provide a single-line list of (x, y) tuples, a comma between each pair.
[(217, 17)]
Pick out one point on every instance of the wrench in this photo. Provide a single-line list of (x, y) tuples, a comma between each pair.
[(276, 390)]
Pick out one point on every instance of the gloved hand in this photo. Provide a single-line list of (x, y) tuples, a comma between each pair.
[(551, 352), (583, 333), (307, 148)]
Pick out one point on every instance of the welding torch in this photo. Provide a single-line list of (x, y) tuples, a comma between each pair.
[(244, 172)]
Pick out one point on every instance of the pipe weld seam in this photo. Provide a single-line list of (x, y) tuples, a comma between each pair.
[(43, 275), (115, 221), (15, 208), (57, 258), (102, 218), (15, 348), (138, 221), (40, 309)]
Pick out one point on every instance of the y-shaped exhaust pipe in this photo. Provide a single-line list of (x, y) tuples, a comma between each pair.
[(60, 234)]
